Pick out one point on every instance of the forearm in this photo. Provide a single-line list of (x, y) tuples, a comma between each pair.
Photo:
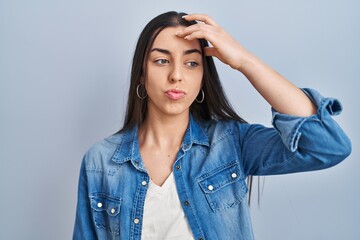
[(281, 94)]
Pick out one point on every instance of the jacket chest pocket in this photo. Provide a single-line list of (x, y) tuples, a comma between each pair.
[(105, 210), (224, 187)]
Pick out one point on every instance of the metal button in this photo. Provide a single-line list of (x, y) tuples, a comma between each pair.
[(143, 183), (112, 210), (211, 187), (186, 203), (233, 175), (136, 220), (99, 205), (178, 167)]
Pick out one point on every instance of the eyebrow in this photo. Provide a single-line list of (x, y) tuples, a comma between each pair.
[(187, 52)]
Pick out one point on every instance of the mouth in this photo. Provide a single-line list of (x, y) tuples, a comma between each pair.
[(175, 94)]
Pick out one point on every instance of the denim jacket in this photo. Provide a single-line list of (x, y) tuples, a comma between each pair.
[(210, 170)]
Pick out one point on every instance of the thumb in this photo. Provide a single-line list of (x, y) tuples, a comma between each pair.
[(211, 51)]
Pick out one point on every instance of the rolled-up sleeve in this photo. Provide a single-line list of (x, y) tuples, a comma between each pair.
[(297, 144)]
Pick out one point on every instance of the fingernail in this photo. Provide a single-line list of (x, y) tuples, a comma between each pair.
[(184, 16)]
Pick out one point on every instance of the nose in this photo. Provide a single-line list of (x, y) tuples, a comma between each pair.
[(176, 73)]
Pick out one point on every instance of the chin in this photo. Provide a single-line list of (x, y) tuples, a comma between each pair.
[(177, 111)]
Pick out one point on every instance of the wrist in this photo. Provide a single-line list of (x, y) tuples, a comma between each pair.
[(250, 63)]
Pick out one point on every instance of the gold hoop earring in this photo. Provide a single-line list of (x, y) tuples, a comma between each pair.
[(202, 97), (137, 92)]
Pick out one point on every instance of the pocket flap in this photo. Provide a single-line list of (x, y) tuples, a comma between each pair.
[(104, 202), (220, 177)]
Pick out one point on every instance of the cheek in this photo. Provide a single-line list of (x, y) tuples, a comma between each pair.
[(153, 77), (195, 82), (195, 78), (156, 76)]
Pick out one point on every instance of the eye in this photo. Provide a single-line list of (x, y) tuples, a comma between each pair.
[(161, 61), (192, 64)]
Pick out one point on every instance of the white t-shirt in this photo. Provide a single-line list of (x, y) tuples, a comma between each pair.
[(164, 217)]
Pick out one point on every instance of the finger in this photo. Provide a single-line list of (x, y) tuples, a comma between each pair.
[(200, 17), (195, 35), (193, 28)]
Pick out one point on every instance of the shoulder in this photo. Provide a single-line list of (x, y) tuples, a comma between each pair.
[(212, 127), (217, 130), (101, 153)]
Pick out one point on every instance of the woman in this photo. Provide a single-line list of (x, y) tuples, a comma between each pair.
[(177, 168)]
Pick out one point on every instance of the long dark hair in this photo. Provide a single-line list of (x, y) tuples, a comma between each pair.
[(215, 105)]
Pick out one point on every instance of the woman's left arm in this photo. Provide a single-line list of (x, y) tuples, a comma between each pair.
[(281, 94)]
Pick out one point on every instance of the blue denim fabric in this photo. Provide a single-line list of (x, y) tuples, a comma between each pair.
[(222, 154)]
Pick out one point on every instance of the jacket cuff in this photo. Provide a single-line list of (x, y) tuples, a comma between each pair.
[(289, 126)]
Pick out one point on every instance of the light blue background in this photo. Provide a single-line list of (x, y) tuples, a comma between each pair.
[(64, 72)]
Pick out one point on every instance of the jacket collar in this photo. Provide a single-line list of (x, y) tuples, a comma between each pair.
[(128, 149)]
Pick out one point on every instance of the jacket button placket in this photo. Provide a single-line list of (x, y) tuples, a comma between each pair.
[(138, 208), (183, 196)]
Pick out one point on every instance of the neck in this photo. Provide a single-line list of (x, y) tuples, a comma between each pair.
[(163, 132)]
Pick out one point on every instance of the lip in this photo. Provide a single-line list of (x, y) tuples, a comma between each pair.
[(175, 94)]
